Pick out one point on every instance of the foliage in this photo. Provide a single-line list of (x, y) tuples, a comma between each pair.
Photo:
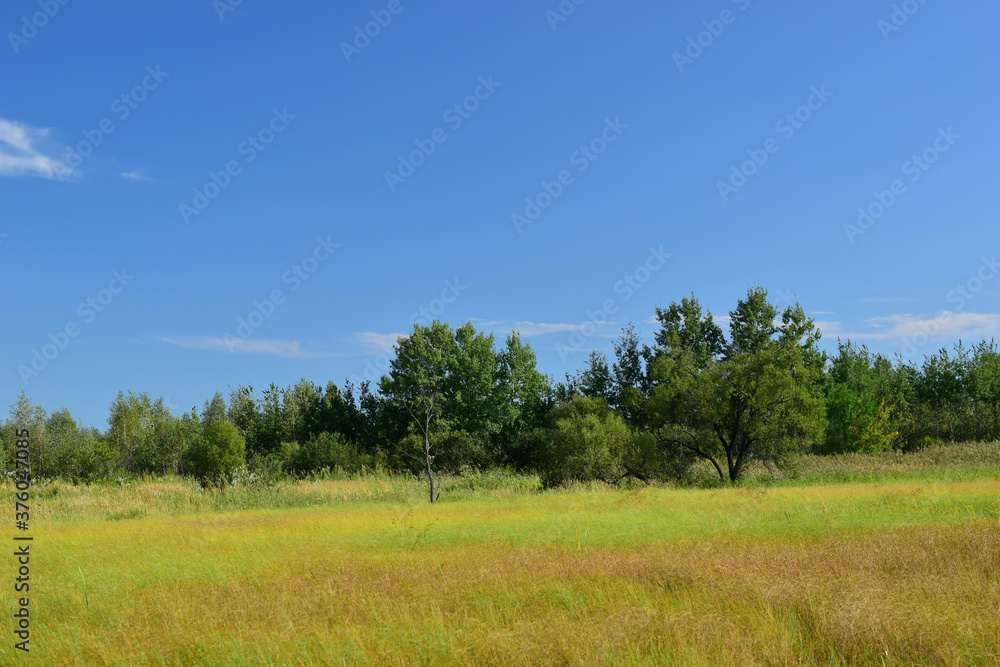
[(755, 397), (859, 402), (458, 395), (586, 441), (216, 453), (325, 451), (454, 400)]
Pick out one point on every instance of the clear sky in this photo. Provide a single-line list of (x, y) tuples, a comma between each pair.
[(167, 169)]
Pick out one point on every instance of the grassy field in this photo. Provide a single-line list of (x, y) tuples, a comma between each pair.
[(878, 560)]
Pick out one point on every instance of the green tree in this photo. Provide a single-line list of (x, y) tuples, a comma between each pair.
[(472, 391), (523, 396), (214, 410), (330, 451), (756, 397), (272, 421), (25, 414), (858, 403), (244, 415), (419, 384), (940, 390), (685, 327), (595, 380), (586, 441), (984, 387), (129, 430), (217, 453), (630, 385)]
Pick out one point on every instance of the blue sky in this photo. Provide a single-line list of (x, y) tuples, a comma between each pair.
[(166, 170)]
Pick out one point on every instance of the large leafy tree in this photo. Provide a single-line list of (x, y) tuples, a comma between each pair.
[(472, 386), (984, 386), (460, 397), (420, 385), (685, 328), (630, 386), (130, 429), (859, 401), (595, 380), (214, 410), (522, 393), (272, 420), (756, 396), (243, 414)]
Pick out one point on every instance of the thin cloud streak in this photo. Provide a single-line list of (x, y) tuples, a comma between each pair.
[(377, 342), (947, 325), (290, 349), (30, 151), (532, 329)]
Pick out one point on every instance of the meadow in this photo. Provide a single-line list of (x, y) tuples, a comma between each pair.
[(876, 560)]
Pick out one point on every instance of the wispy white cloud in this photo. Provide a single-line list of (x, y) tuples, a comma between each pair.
[(383, 343), (135, 175), (947, 325), (532, 329), (829, 329), (884, 299), (30, 151), (291, 349), (377, 342), (821, 312)]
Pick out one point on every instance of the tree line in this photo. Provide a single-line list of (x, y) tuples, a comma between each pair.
[(454, 400)]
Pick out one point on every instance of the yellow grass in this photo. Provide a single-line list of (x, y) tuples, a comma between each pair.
[(895, 573)]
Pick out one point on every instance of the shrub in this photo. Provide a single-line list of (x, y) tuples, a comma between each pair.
[(926, 442), (216, 453), (585, 442), (326, 450), (453, 451), (97, 458)]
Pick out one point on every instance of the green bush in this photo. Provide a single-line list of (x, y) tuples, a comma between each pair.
[(216, 453), (585, 442), (926, 442), (97, 458), (326, 450), (453, 452)]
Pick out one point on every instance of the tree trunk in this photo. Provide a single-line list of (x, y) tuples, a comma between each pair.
[(427, 463)]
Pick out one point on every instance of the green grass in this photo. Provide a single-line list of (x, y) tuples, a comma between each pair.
[(900, 570)]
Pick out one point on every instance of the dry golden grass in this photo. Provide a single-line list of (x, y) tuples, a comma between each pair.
[(855, 574)]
